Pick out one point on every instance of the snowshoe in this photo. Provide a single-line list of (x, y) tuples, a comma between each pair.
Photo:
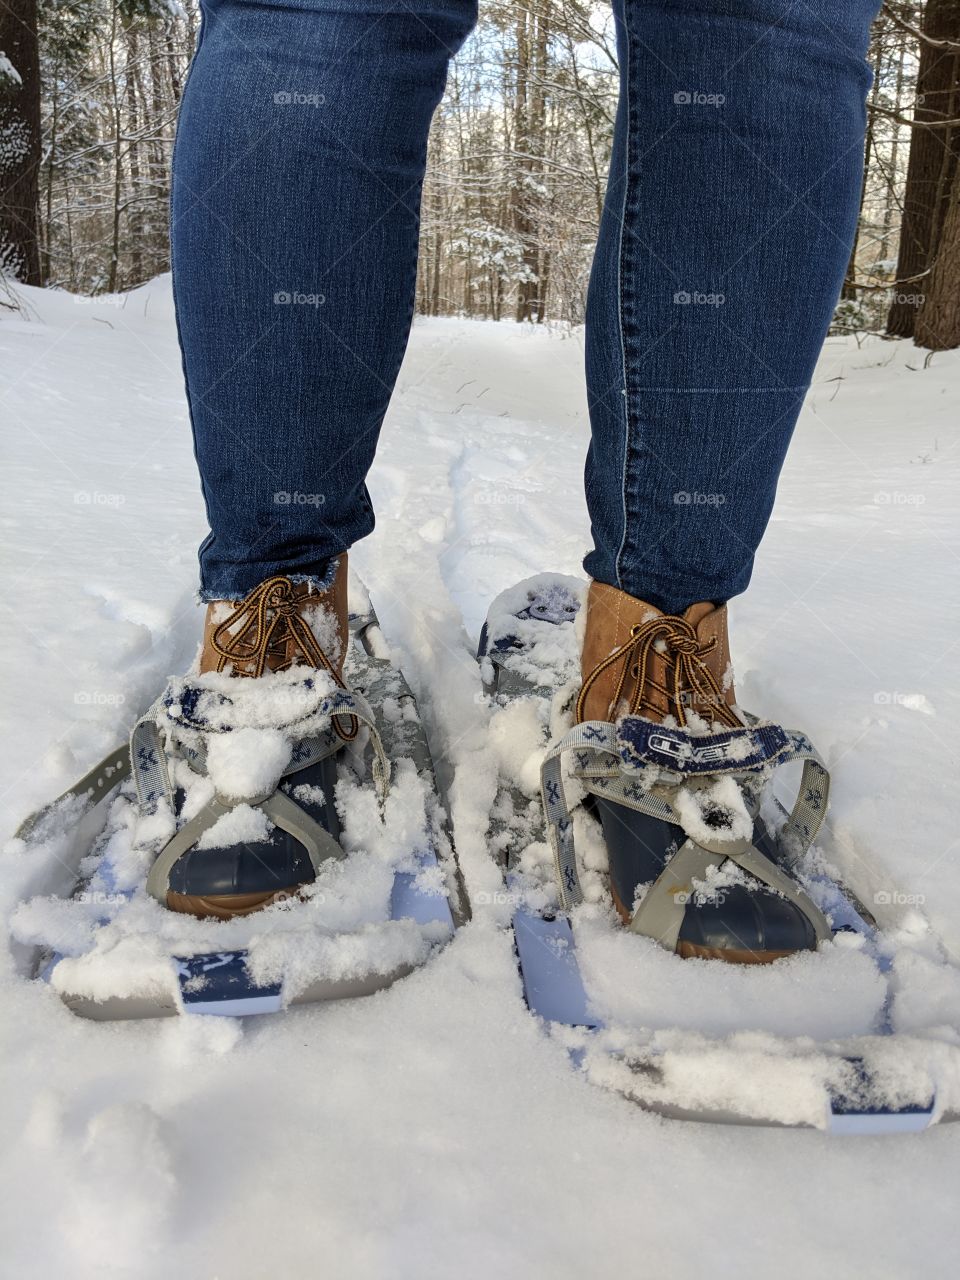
[(263, 842), (669, 824)]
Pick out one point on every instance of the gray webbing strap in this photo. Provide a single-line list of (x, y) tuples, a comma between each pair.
[(148, 761), (93, 786), (597, 766), (306, 752), (279, 808), (660, 914), (813, 795), (592, 737)]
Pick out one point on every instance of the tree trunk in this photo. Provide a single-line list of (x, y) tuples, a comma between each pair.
[(938, 324), (933, 158), (889, 200), (19, 141), (135, 215), (533, 24), (113, 271), (849, 289)]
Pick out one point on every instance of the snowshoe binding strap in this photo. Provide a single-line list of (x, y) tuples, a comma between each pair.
[(279, 808), (93, 787), (188, 722), (187, 732), (644, 766), (642, 743)]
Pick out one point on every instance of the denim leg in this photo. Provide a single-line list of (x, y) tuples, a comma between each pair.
[(296, 188), (729, 218)]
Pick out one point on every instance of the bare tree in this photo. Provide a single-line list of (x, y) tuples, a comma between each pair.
[(934, 147), (19, 140)]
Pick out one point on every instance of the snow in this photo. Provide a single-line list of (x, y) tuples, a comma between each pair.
[(8, 71), (723, 803), (833, 994), (239, 825), (248, 763), (434, 1128)]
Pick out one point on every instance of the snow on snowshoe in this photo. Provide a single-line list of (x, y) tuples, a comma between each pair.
[(264, 842), (643, 797)]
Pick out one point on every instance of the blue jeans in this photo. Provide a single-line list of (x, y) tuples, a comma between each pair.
[(729, 216)]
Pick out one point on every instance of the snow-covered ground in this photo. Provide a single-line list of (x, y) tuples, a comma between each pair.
[(434, 1130)]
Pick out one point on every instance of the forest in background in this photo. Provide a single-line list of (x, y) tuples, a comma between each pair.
[(89, 91)]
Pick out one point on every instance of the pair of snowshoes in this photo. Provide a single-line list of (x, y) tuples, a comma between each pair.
[(339, 845)]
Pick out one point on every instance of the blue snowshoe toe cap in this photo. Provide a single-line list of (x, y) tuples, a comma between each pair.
[(237, 879)]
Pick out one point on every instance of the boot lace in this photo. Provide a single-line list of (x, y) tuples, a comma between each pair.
[(675, 639), (271, 631)]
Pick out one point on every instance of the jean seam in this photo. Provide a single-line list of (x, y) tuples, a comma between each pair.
[(723, 391), (176, 308), (625, 394)]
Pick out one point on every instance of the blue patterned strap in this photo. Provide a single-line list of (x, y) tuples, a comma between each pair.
[(149, 762), (757, 748), (598, 765), (641, 743)]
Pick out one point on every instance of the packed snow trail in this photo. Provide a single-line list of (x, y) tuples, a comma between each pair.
[(434, 1129)]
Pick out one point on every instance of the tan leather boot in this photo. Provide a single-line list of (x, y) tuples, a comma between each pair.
[(280, 624), (639, 661)]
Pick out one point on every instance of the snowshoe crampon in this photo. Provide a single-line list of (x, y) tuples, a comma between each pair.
[(320, 868), (836, 1035)]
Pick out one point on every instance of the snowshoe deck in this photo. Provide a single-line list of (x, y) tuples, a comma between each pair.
[(424, 900), (852, 1085)]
